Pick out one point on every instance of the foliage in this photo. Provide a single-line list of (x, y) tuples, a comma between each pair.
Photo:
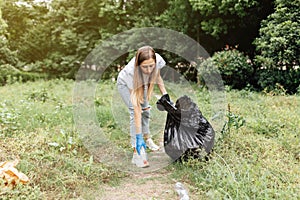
[(6, 55), (219, 14), (179, 16), (278, 45), (232, 22), (233, 120), (67, 32), (75, 32), (26, 29), (234, 67), (271, 79), (56, 37), (278, 50), (10, 74)]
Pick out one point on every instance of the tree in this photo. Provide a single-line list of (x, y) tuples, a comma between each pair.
[(74, 30), (77, 27), (53, 38), (7, 56), (180, 16), (278, 44), (219, 16), (232, 22), (26, 29)]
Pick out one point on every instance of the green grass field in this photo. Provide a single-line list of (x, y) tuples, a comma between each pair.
[(255, 157)]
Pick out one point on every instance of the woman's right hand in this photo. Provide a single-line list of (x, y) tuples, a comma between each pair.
[(160, 102)]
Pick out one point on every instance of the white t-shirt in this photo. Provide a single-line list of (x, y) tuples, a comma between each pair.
[(125, 76)]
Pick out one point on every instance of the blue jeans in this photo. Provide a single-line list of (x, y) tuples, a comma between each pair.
[(125, 94)]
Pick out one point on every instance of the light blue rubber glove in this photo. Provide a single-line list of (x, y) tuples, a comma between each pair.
[(140, 143)]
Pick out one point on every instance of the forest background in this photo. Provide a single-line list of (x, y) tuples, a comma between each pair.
[(254, 44)]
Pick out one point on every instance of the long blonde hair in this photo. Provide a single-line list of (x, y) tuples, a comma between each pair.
[(137, 95)]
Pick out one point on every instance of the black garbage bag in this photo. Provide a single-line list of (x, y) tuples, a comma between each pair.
[(187, 132)]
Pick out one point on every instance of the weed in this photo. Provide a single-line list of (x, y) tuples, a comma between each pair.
[(233, 120)]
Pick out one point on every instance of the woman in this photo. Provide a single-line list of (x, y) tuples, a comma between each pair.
[(135, 84)]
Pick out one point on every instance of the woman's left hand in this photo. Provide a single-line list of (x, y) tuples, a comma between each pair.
[(140, 143)]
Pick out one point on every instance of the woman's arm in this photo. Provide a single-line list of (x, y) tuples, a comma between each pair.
[(140, 143), (161, 84), (137, 111), (137, 119)]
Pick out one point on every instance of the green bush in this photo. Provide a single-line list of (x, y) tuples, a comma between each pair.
[(235, 68), (270, 79), (278, 42), (10, 74)]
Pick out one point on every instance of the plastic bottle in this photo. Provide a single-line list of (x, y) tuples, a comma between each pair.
[(183, 194), (142, 160)]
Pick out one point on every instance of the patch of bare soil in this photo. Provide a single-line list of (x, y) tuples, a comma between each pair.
[(155, 185)]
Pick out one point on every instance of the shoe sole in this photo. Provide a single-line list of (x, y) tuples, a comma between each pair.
[(145, 165)]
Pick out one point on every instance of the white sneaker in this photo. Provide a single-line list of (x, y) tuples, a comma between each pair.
[(151, 145), (140, 160)]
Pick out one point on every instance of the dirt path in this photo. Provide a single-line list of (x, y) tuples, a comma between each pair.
[(155, 185), (152, 183)]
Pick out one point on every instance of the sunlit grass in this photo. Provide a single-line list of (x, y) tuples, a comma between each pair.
[(259, 160)]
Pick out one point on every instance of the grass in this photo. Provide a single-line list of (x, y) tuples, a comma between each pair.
[(37, 128), (258, 159)]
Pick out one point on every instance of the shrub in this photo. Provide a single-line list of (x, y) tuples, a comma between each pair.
[(278, 43), (269, 79), (10, 74), (235, 68)]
